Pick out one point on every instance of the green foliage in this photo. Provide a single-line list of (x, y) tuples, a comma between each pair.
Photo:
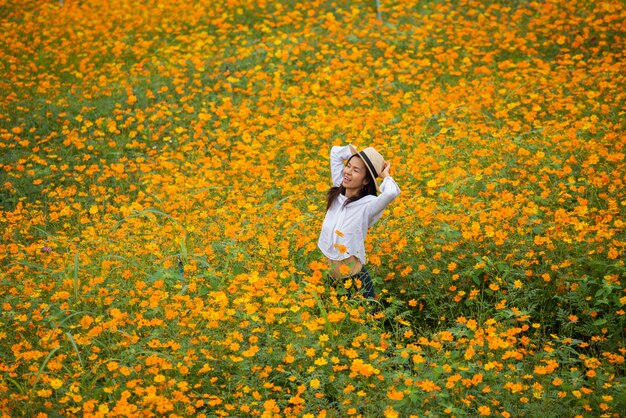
[(162, 177)]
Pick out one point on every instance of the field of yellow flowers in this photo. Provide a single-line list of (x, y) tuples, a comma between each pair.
[(163, 169)]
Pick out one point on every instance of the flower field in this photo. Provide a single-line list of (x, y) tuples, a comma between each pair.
[(163, 170)]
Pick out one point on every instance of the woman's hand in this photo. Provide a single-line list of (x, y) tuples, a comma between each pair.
[(385, 172)]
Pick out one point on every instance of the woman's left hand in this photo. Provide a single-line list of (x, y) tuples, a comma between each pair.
[(385, 172)]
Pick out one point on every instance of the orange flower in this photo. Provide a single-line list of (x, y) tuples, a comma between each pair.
[(342, 248), (362, 368), (395, 395), (484, 410)]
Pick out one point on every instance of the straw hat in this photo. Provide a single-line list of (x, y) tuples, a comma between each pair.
[(372, 159)]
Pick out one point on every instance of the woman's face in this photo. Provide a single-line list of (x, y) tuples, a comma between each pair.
[(355, 174)]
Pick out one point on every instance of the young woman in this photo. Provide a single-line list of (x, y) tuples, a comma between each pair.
[(352, 206)]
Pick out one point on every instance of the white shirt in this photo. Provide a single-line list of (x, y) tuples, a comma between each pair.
[(345, 226)]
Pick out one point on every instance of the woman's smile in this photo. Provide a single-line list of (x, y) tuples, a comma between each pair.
[(354, 174)]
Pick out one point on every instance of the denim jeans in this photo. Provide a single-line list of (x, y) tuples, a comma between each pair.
[(366, 287)]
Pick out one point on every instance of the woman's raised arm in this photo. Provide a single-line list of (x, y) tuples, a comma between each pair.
[(338, 154)]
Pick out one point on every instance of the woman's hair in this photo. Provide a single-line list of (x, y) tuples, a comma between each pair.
[(335, 191)]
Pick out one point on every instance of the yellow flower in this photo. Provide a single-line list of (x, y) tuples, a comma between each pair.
[(418, 359), (484, 410), (321, 361), (56, 383), (44, 393), (315, 383), (362, 368), (390, 413), (250, 352), (550, 366)]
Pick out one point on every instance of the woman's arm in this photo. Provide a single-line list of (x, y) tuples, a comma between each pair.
[(338, 154), (389, 190)]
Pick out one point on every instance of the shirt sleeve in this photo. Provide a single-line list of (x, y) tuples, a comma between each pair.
[(338, 154), (389, 190)]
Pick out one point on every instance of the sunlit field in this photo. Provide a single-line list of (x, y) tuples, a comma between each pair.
[(163, 172)]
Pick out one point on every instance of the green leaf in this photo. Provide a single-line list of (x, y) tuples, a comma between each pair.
[(599, 322)]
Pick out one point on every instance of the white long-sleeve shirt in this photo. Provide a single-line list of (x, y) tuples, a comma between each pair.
[(345, 226)]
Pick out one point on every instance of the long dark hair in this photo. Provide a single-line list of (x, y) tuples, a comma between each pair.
[(335, 191)]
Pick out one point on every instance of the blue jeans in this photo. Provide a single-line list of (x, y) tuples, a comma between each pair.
[(366, 287)]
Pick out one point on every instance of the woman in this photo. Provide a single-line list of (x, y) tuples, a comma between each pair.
[(352, 206)]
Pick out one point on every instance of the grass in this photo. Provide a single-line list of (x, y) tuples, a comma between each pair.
[(135, 135)]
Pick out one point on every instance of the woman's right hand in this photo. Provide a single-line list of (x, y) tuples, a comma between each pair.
[(386, 168)]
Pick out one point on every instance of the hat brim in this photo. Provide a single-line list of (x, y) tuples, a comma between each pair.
[(355, 151)]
